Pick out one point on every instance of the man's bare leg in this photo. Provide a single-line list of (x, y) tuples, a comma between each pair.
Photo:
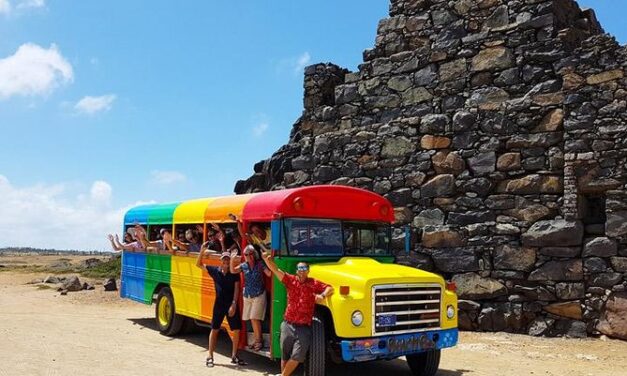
[(289, 368), (235, 341), (213, 340)]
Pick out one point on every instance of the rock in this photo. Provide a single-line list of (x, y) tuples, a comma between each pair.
[(534, 140), (490, 59), (613, 320), (499, 18), (563, 252), (400, 83), (489, 99), (468, 305), (552, 122), (531, 213), (532, 184), (601, 247), (434, 123), (415, 179), (453, 70), (472, 286), (594, 265), (455, 260), (63, 292), (110, 285), (606, 280), (540, 326), (426, 76), (500, 202), (482, 163), (553, 233), (51, 279), (439, 186), (508, 162), (463, 121), (400, 197), (429, 217), (72, 284), (470, 217), (514, 258), (397, 147), (569, 291), (600, 78), (572, 310), (445, 162), (403, 216), (442, 237), (34, 281), (571, 329), (415, 96), (492, 320), (506, 229), (619, 264), (616, 224), (571, 270), (430, 142)]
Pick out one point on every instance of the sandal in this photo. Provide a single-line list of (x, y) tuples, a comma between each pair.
[(257, 346), (209, 362), (237, 361)]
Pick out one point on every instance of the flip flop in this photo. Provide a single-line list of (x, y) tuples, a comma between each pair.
[(257, 346), (209, 362), (237, 361)]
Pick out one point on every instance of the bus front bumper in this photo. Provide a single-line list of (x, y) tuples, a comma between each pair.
[(393, 346)]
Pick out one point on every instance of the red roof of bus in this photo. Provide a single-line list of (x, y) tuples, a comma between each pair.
[(321, 201)]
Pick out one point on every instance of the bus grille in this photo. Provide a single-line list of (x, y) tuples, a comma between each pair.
[(405, 308)]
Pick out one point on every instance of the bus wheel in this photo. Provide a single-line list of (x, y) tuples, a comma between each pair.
[(424, 364), (168, 321), (315, 364)]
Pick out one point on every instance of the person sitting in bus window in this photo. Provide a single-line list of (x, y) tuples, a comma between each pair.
[(259, 235), (254, 290), (232, 241), (194, 243), (225, 304), (302, 295), (163, 244), (130, 244), (215, 238)]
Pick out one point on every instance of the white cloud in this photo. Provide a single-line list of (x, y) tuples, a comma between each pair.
[(49, 216), (32, 4), (167, 177), (294, 64), (260, 129), (91, 105), (5, 7), (33, 70), (302, 61)]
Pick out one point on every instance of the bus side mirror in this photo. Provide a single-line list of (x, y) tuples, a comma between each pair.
[(407, 239), (275, 228)]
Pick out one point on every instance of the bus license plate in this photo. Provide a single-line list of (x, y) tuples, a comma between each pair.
[(386, 320)]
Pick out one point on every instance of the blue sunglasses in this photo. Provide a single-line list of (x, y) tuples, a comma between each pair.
[(302, 268)]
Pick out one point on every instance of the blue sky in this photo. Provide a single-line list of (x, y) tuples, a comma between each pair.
[(156, 101)]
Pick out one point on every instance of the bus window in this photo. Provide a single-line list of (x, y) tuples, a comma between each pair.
[(313, 237), (366, 239)]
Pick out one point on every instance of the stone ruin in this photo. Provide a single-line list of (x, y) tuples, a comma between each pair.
[(497, 129)]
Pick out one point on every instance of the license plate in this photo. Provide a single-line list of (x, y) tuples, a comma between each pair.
[(386, 320)]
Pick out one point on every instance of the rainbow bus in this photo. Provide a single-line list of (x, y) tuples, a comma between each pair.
[(381, 310)]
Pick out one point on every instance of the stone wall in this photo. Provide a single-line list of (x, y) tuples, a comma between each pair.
[(497, 129)]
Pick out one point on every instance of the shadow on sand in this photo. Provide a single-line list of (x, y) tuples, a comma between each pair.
[(261, 365)]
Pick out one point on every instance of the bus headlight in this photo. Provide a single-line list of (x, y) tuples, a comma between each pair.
[(450, 311), (357, 318)]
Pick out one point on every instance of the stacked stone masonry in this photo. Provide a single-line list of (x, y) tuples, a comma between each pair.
[(497, 129)]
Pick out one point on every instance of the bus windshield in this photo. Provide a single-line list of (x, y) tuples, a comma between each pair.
[(327, 237)]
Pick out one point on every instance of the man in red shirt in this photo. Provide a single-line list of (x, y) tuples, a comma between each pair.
[(302, 295)]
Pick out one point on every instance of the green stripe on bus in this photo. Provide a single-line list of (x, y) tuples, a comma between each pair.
[(158, 269)]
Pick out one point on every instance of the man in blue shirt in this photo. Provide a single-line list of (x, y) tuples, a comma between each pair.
[(225, 305)]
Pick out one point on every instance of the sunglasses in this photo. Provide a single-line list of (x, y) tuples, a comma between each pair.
[(302, 268)]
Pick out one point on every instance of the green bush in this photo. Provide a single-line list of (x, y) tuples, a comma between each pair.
[(107, 269)]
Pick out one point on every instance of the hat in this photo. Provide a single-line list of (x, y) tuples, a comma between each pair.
[(162, 231), (249, 249), (225, 255)]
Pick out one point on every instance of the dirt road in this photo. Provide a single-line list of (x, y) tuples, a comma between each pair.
[(93, 332)]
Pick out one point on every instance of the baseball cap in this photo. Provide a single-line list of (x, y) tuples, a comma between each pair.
[(225, 255)]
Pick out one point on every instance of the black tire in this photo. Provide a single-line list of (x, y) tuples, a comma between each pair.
[(424, 364), (315, 364), (169, 322)]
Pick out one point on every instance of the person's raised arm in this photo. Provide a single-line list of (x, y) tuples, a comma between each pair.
[(234, 266), (203, 250), (267, 257)]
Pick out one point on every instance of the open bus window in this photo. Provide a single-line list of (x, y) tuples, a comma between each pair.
[(366, 239), (314, 237)]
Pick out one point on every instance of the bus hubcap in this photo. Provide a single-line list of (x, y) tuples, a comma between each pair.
[(165, 311)]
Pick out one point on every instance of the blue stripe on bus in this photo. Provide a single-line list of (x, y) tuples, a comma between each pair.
[(133, 276)]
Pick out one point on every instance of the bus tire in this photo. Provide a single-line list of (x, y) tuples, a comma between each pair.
[(168, 321), (315, 363), (424, 364)]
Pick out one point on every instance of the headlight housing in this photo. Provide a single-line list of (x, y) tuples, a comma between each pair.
[(450, 311), (357, 318)]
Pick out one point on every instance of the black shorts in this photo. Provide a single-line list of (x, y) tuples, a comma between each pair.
[(221, 311), (295, 341)]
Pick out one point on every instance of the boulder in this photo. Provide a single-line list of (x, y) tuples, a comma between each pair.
[(430, 142), (490, 59), (452, 70), (445, 162), (571, 270), (489, 99), (600, 78), (553, 233), (569, 291), (508, 162), (530, 213), (440, 186), (601, 247), (472, 286), (455, 260), (571, 310), (429, 217), (540, 326), (616, 224), (91, 262), (532, 184), (51, 279), (110, 285), (395, 147), (482, 163), (72, 284), (551, 122), (619, 264), (510, 257), (402, 215), (605, 280), (613, 320), (441, 237)]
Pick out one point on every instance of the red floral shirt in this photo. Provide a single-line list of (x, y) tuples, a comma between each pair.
[(301, 299)]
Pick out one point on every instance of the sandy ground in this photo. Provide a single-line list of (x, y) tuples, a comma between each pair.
[(94, 332)]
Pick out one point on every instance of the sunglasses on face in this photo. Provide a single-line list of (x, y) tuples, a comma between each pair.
[(302, 268)]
